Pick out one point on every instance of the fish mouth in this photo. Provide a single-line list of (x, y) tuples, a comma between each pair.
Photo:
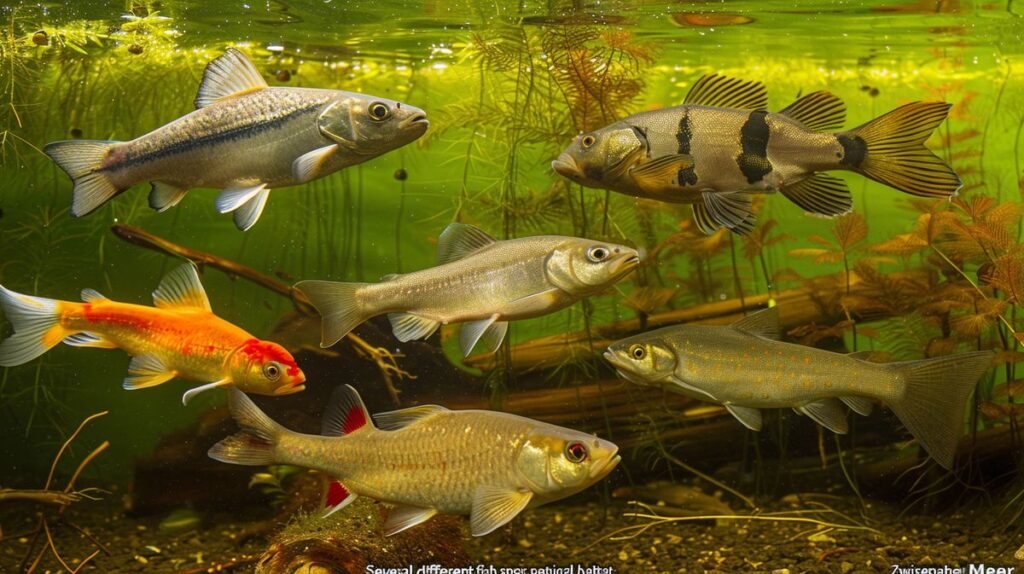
[(601, 469), (418, 121), (565, 166), (289, 390)]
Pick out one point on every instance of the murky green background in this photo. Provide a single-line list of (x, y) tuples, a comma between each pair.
[(486, 73)]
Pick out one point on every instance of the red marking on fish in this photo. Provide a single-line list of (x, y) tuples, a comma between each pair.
[(336, 494), (264, 351), (354, 420)]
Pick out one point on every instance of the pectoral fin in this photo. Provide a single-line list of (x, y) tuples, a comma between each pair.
[(309, 165), (751, 418), (828, 413), (403, 517), (657, 174), (147, 371), (191, 393), (495, 506)]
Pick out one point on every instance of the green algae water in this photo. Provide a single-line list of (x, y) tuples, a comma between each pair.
[(506, 87)]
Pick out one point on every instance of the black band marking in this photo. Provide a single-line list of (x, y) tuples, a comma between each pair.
[(855, 149), (684, 135), (753, 160)]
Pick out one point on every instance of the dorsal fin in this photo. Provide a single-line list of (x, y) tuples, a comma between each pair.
[(231, 74), (818, 111), (345, 413), (725, 92), (181, 288), (764, 323), (459, 240), (90, 295), (394, 420)]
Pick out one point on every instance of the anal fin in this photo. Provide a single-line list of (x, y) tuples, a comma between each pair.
[(163, 196), (828, 413), (409, 327), (860, 405), (89, 340), (336, 497), (820, 194)]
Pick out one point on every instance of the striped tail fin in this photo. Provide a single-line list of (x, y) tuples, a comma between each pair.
[(37, 327), (890, 150), (82, 160)]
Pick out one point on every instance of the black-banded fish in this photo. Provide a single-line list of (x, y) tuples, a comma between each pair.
[(479, 281), (745, 368), (245, 138), (722, 145)]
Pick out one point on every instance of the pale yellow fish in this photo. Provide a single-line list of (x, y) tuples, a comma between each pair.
[(427, 460), (746, 368), (479, 281)]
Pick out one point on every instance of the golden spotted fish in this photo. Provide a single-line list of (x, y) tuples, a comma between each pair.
[(244, 138), (722, 145), (427, 460), (179, 338), (745, 367), (479, 281)]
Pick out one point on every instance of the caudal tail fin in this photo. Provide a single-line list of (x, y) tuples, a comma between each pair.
[(890, 150), (339, 307), (83, 160), (936, 392), (254, 446), (36, 324)]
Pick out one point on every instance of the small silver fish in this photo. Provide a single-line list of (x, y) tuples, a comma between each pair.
[(479, 281), (245, 138), (427, 460), (745, 367), (722, 145)]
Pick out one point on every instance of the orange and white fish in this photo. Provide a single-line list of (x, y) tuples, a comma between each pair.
[(180, 337)]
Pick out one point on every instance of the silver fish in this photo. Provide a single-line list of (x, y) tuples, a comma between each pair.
[(745, 367), (722, 145), (245, 138), (479, 281), (427, 460)]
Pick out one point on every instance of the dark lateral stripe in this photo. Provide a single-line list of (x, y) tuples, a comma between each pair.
[(753, 160), (855, 149), (243, 132)]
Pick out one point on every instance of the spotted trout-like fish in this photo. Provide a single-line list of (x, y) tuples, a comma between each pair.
[(427, 460), (745, 368), (722, 145), (179, 338), (479, 281), (245, 138)]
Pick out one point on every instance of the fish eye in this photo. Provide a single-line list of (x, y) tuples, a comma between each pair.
[(272, 371), (576, 452), (597, 254), (587, 141), (379, 111), (638, 352)]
